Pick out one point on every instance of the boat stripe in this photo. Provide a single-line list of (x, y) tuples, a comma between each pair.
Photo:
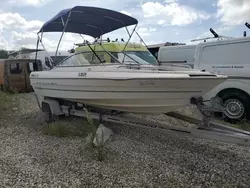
[(140, 79), (119, 91)]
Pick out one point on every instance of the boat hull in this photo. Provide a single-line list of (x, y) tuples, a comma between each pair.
[(140, 95)]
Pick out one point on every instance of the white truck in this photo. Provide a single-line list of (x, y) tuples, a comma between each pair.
[(229, 57), (44, 57), (177, 54)]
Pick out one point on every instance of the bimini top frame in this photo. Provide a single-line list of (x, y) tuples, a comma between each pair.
[(92, 21)]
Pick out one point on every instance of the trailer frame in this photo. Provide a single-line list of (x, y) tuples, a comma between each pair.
[(205, 128)]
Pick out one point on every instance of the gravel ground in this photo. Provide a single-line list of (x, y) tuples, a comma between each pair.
[(136, 157)]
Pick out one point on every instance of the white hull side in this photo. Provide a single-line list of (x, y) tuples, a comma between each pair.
[(132, 95)]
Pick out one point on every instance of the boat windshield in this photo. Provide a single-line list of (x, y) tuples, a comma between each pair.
[(89, 58), (131, 59), (57, 59), (145, 55)]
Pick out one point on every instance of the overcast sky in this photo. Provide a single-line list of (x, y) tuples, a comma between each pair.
[(159, 21)]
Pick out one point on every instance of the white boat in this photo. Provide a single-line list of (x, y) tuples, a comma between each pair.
[(133, 86)]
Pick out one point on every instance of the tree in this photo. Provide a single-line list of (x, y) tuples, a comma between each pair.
[(3, 54)]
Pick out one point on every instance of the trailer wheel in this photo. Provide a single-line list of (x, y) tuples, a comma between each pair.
[(47, 112)]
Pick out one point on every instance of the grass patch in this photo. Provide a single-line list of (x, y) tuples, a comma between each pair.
[(69, 127), (99, 151), (12, 90), (243, 124), (6, 102), (79, 127), (5, 99)]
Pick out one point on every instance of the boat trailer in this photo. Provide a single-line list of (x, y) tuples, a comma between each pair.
[(205, 128)]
